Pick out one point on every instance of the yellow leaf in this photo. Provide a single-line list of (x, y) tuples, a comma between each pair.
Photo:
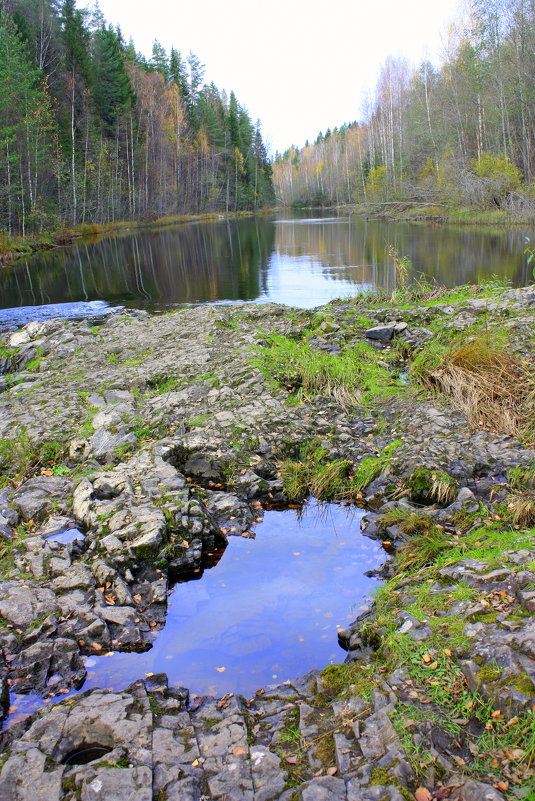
[(221, 669), (194, 763), (426, 658)]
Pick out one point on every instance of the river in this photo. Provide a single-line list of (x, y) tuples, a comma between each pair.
[(291, 259)]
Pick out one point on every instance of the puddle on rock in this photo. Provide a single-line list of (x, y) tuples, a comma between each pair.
[(267, 611)]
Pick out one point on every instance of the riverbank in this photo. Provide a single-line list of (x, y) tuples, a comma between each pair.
[(14, 247), (131, 450), (410, 211)]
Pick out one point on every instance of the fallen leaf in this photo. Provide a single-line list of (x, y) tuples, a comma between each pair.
[(427, 658), (292, 760), (221, 669), (502, 786), (332, 771), (137, 598), (423, 794), (238, 750), (194, 763)]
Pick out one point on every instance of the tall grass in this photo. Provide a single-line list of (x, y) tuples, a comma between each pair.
[(485, 381)]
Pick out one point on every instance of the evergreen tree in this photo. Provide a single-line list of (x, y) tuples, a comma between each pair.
[(112, 91), (26, 136)]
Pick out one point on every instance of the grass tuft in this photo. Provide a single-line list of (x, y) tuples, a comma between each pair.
[(485, 381)]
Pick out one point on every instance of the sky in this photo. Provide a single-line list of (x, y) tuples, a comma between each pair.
[(301, 67)]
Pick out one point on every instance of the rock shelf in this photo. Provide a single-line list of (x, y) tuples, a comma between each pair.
[(133, 449)]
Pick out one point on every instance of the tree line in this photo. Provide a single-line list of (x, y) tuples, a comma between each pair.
[(91, 131), (462, 134)]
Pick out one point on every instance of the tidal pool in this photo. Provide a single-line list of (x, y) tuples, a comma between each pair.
[(268, 611)]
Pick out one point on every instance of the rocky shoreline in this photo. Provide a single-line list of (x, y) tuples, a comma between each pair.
[(133, 449)]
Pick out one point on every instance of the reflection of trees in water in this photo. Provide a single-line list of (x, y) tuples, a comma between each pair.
[(197, 262), (230, 260), (356, 250)]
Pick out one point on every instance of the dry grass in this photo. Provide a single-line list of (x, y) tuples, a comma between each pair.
[(522, 505), (493, 388)]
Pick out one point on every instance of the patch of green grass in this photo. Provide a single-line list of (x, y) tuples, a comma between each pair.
[(521, 478), (331, 479), (160, 385), (353, 377), (21, 457), (428, 486), (112, 358), (198, 420)]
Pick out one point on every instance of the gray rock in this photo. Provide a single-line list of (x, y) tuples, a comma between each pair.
[(326, 788), (477, 791), (377, 735), (21, 604), (36, 495), (77, 577), (24, 778), (382, 333), (119, 784)]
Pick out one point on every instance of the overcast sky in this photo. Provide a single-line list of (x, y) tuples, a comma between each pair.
[(300, 67)]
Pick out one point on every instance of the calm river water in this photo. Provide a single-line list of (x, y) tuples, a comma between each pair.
[(298, 261)]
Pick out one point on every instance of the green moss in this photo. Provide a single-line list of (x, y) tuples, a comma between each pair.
[(486, 617), (339, 679), (523, 684), (325, 751), (489, 674), (381, 777)]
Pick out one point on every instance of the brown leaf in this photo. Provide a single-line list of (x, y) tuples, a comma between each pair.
[(332, 771), (423, 794), (292, 760), (238, 750), (137, 598), (427, 658)]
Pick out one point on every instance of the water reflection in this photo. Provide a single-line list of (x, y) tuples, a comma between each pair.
[(267, 611), (301, 262)]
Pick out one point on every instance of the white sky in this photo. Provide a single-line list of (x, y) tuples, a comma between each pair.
[(301, 67)]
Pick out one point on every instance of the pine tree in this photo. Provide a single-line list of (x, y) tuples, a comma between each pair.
[(112, 91)]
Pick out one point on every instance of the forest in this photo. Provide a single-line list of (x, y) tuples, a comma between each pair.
[(91, 131), (458, 135)]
